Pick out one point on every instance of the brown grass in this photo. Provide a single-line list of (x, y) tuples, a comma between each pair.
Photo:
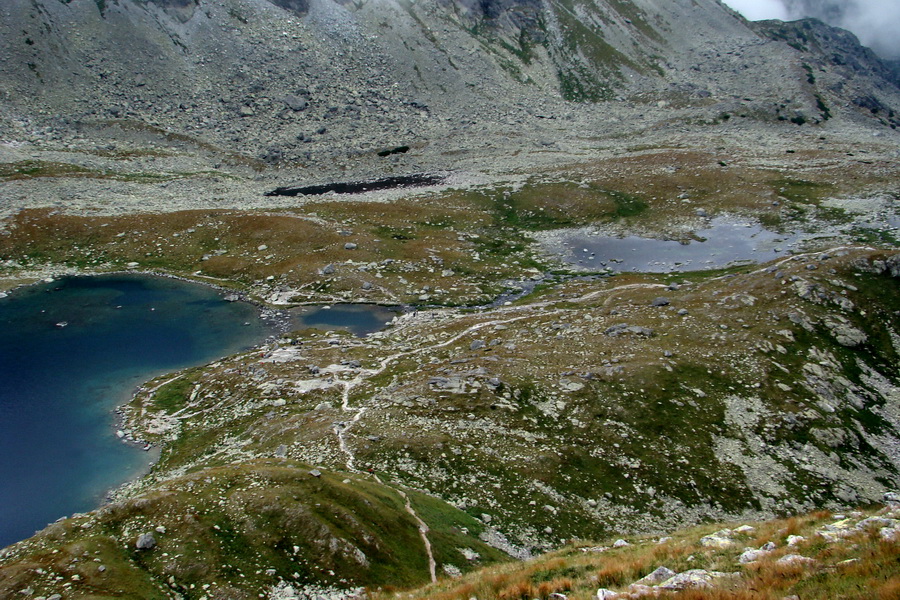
[(889, 590), (617, 572)]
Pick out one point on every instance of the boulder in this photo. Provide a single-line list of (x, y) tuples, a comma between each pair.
[(846, 335), (296, 103), (795, 559), (661, 301), (658, 576), (893, 265), (695, 578), (750, 555), (877, 522), (720, 539), (626, 329), (145, 541)]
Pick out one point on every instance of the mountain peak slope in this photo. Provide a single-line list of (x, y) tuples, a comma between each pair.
[(265, 78)]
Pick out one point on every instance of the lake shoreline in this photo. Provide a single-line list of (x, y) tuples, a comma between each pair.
[(109, 391)]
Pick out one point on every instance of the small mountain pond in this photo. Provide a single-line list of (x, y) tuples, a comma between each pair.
[(723, 243)]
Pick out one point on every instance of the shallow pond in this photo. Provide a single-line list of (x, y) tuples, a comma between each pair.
[(358, 319), (725, 242)]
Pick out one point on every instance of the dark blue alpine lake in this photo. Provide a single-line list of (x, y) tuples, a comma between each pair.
[(70, 352)]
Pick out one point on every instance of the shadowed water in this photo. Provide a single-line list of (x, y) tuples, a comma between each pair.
[(70, 351), (358, 319)]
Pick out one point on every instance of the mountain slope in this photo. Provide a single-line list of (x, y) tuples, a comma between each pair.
[(303, 84)]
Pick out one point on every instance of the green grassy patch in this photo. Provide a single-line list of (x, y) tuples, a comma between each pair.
[(173, 396)]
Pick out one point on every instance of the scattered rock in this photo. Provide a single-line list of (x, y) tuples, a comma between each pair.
[(658, 576), (845, 334), (626, 329), (695, 578), (296, 103), (749, 556), (720, 539), (795, 559), (877, 522)]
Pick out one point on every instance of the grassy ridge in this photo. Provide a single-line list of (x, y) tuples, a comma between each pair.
[(862, 565)]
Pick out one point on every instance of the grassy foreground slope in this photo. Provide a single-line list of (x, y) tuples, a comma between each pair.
[(816, 556), (262, 526), (593, 407)]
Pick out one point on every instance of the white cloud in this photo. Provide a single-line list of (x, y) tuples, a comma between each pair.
[(875, 22), (755, 10)]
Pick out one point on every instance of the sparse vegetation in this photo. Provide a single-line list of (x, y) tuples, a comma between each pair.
[(860, 565)]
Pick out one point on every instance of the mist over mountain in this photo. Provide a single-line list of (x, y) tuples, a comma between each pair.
[(875, 22)]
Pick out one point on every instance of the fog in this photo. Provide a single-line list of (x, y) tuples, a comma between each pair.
[(875, 22)]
